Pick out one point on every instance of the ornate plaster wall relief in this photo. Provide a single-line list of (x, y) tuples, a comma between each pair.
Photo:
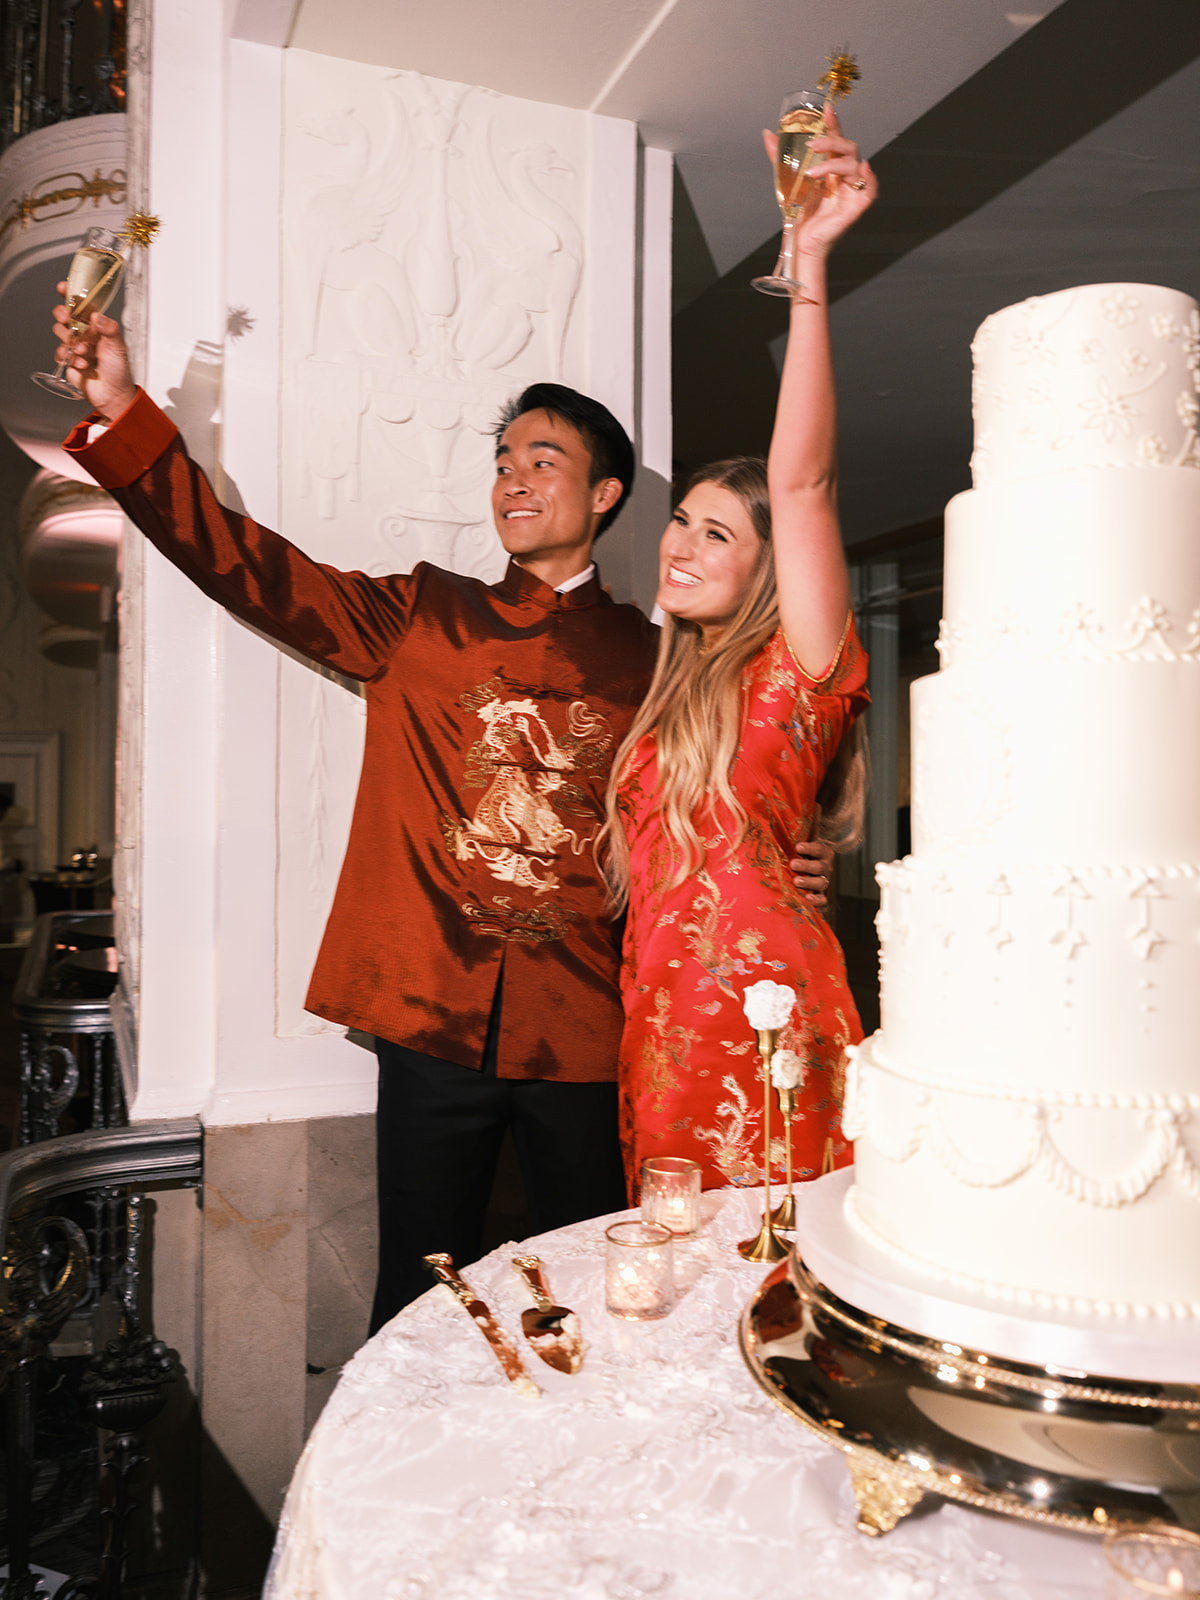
[(434, 246)]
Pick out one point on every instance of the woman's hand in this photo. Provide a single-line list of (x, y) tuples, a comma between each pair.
[(843, 187), (97, 361)]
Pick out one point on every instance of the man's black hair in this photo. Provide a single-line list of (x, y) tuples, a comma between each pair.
[(608, 443)]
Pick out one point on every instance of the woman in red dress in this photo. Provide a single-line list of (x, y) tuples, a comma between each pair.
[(747, 741)]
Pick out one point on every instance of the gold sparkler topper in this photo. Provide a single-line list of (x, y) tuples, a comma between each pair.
[(140, 227), (843, 74)]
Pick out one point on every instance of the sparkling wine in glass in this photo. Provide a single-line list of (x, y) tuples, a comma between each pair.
[(92, 281), (801, 119)]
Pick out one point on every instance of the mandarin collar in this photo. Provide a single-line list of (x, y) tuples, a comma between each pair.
[(522, 585)]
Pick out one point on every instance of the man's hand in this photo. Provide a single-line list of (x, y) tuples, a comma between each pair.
[(812, 868), (97, 361)]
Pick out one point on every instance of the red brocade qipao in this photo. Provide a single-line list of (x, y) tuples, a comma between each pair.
[(689, 1072)]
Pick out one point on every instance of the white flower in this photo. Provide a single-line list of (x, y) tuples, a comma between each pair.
[(1120, 309), (1188, 408), (1164, 327), (1037, 393), (1152, 450), (768, 1005), (787, 1070), (1089, 351), (1134, 361), (1111, 413)]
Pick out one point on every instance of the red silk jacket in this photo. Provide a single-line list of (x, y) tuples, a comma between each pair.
[(493, 715)]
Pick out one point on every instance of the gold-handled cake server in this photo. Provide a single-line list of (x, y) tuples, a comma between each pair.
[(552, 1332)]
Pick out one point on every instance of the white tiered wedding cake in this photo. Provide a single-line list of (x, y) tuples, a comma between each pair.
[(1027, 1119)]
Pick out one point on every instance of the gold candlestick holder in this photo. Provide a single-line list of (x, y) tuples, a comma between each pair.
[(767, 1245), (784, 1215)]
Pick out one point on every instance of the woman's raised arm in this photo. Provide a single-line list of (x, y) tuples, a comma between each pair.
[(810, 564)]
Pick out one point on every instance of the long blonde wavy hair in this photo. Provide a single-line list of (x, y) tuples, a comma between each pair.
[(694, 708)]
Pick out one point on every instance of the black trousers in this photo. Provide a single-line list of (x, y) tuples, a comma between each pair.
[(438, 1132)]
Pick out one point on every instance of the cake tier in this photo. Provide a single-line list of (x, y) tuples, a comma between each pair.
[(1094, 762), (1104, 375), (1080, 566), (1070, 665), (1081, 1209), (1073, 983)]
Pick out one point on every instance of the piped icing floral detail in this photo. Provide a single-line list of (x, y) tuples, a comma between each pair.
[(1191, 342), (1151, 634), (1081, 378), (1029, 344), (1111, 413), (1120, 309), (1152, 450)]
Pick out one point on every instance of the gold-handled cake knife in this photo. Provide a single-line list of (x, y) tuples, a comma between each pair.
[(509, 1357)]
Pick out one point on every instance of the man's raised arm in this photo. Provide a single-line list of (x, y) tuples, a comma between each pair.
[(345, 620)]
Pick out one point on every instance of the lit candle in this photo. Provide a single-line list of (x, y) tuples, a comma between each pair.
[(671, 1194), (639, 1271)]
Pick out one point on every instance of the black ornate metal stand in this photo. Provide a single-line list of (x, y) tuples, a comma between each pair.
[(916, 1416), (40, 1294), (51, 1267)]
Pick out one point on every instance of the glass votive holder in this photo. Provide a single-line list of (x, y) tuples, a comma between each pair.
[(1152, 1558), (639, 1271), (671, 1194)]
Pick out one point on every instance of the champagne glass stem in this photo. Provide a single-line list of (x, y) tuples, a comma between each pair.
[(785, 280)]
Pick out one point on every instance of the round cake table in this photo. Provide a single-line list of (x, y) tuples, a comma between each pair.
[(660, 1471)]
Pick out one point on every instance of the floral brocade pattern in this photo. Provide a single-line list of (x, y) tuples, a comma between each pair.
[(689, 1072)]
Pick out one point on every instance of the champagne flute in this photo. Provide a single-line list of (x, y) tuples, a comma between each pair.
[(92, 281), (801, 119)]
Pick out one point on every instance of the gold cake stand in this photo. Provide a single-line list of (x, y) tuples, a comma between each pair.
[(914, 1417)]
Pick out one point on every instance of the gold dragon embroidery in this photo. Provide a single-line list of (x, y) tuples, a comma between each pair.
[(516, 830), (538, 925)]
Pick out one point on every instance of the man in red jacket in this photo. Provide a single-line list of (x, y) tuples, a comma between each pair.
[(469, 931)]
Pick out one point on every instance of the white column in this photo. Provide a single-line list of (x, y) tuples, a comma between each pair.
[(179, 666), (653, 501)]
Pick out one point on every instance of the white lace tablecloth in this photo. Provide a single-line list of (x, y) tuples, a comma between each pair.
[(660, 1472)]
